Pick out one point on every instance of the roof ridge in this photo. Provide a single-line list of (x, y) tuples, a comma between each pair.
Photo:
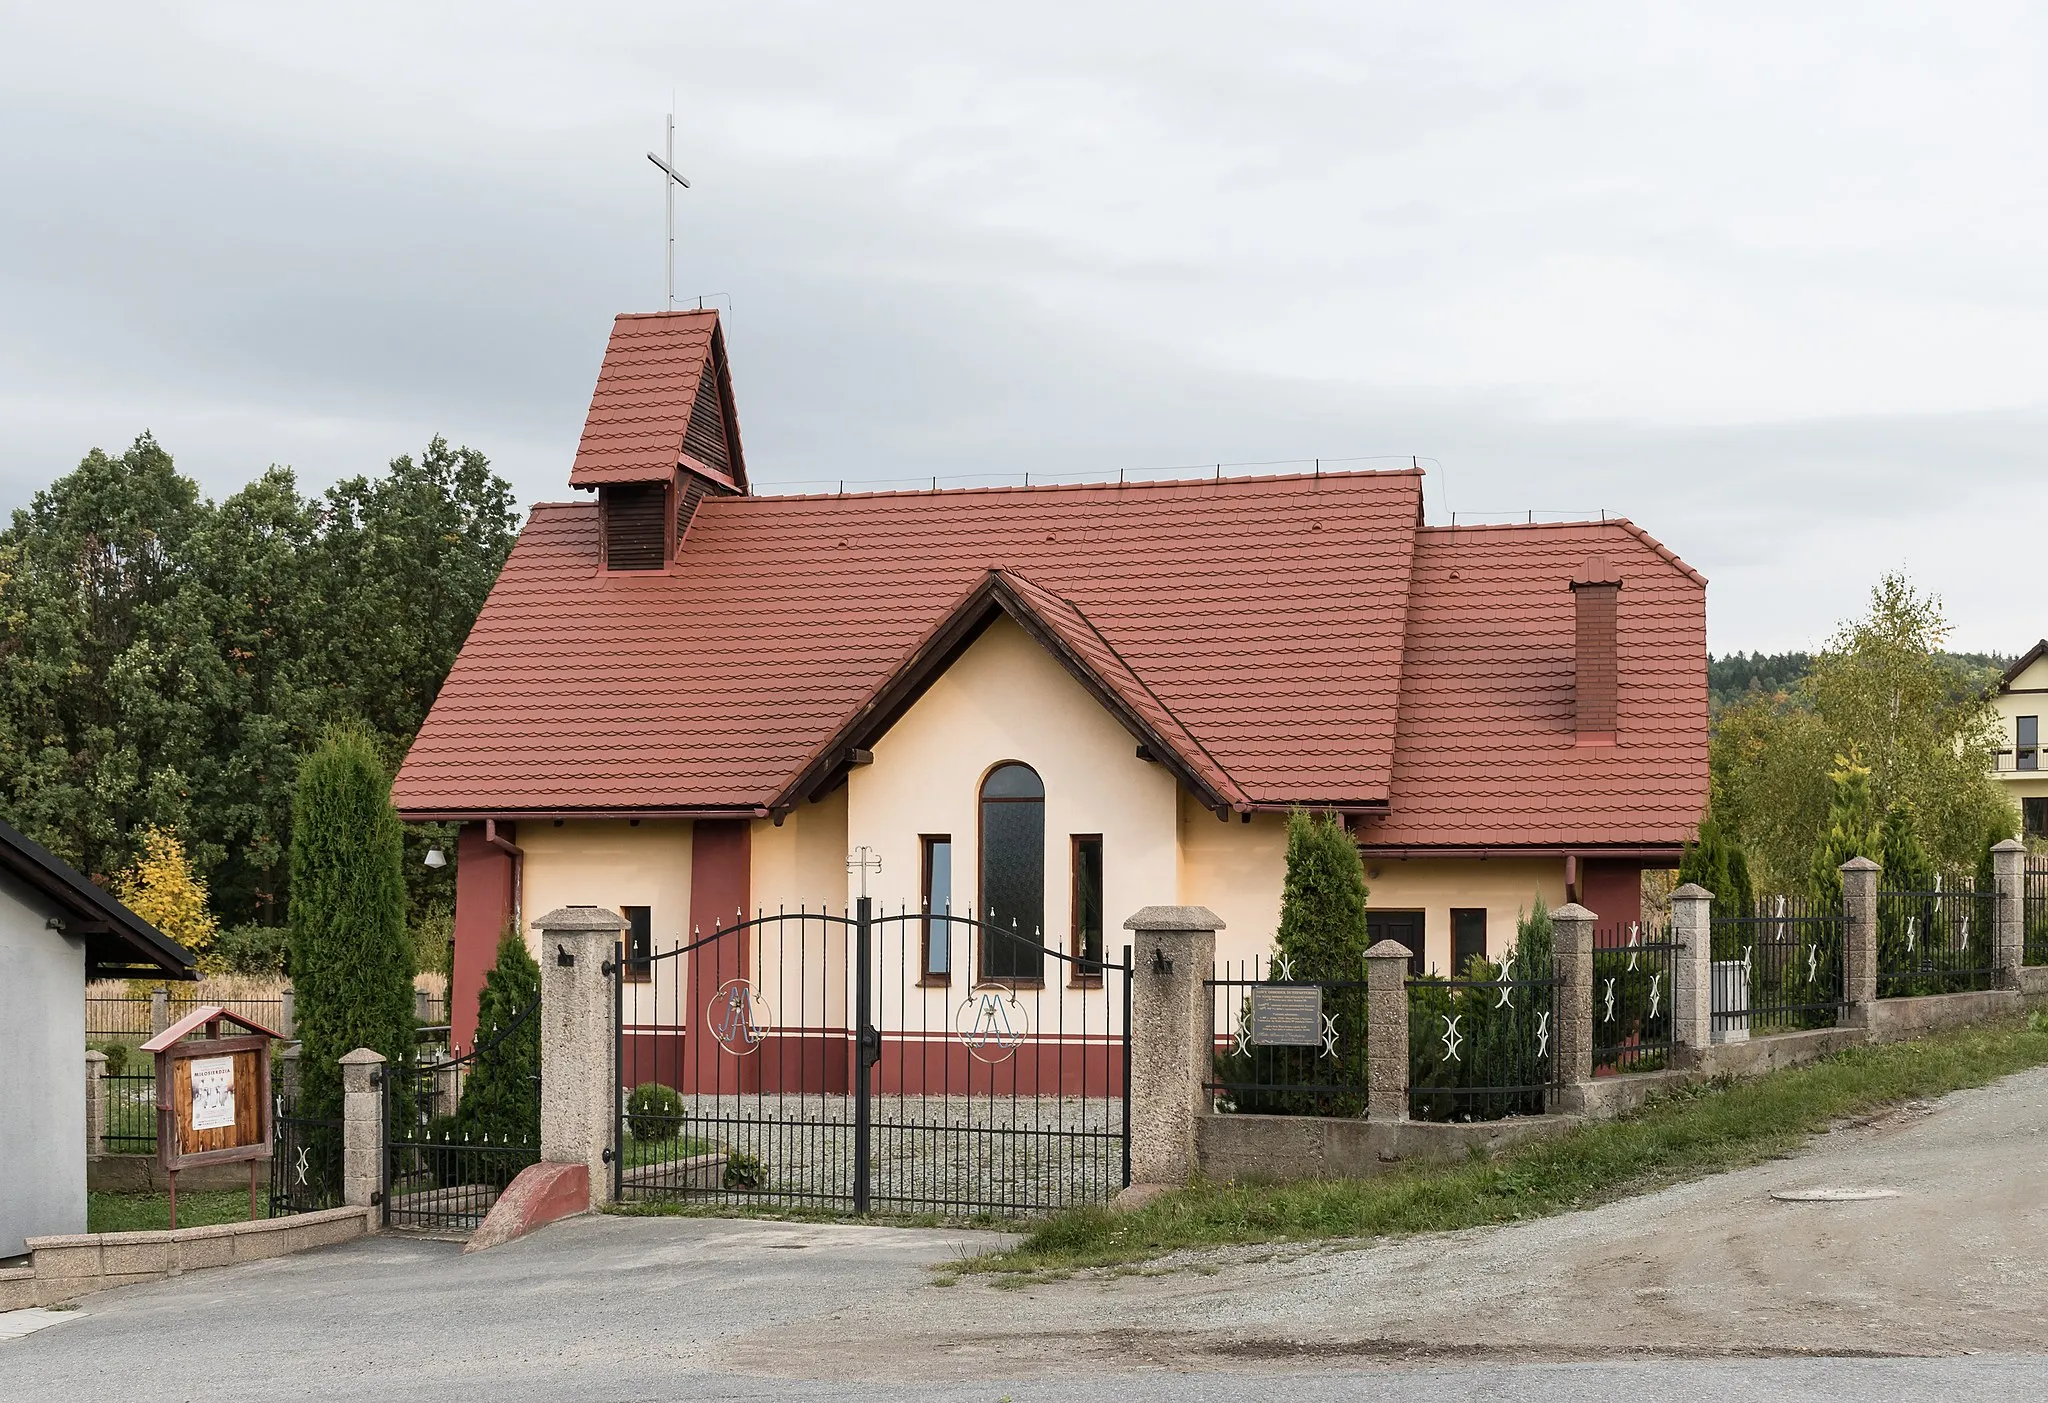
[(1622, 523), (1242, 480)]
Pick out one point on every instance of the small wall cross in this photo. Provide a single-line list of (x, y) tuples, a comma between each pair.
[(864, 860)]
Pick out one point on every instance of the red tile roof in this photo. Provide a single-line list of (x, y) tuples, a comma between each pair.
[(1265, 614), (1063, 630), (646, 388), (1484, 753)]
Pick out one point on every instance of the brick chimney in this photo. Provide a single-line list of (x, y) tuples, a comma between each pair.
[(1596, 599)]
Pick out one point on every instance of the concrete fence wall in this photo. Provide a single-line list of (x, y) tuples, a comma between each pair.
[(1232, 1145)]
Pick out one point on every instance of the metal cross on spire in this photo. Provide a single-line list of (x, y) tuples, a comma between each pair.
[(864, 860), (671, 178)]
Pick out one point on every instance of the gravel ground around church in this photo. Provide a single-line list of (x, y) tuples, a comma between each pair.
[(1708, 1290)]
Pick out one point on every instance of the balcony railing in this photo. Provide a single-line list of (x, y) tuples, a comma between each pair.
[(2021, 760)]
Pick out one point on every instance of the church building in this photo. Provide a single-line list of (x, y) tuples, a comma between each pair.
[(1052, 705)]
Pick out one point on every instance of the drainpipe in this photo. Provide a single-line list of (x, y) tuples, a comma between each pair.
[(518, 855)]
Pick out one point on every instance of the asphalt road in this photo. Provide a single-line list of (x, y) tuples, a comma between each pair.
[(1711, 1290)]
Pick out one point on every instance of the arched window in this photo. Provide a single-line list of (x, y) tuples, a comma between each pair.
[(1013, 873)]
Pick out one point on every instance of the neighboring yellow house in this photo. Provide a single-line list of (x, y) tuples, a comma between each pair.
[(1045, 706), (2022, 703)]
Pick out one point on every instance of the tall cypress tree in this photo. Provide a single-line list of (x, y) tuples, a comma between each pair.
[(1322, 901), (351, 956), (1322, 934), (501, 1098)]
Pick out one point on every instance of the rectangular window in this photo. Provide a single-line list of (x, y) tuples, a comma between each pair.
[(1468, 937), (639, 940), (2026, 735), (1404, 926), (1087, 946), (2034, 816), (936, 891)]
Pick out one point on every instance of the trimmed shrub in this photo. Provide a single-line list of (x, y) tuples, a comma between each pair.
[(351, 957), (653, 1112), (116, 1054)]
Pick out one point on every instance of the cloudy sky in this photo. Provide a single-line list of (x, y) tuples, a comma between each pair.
[(1768, 279)]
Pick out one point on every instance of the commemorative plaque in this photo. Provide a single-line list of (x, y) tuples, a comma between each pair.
[(1287, 1015)]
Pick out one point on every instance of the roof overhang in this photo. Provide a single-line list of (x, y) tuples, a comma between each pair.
[(505, 815), (2025, 661), (118, 943), (1649, 852)]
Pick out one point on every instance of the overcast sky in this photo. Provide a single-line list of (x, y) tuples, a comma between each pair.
[(1768, 279)]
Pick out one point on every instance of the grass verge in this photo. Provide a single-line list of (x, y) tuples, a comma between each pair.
[(1703, 1130), (143, 1212)]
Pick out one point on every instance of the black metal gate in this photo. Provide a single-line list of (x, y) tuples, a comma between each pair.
[(910, 1062), (305, 1160), (447, 1157)]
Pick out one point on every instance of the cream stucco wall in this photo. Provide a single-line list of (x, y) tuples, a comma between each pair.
[(612, 863), (1236, 869), (1506, 887), (800, 866), (1007, 699), (2028, 696)]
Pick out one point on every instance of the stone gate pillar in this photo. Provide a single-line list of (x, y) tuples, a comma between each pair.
[(1573, 953), (579, 1093), (1173, 950), (1859, 939), (2009, 945), (1692, 978), (362, 1127), (1386, 1031)]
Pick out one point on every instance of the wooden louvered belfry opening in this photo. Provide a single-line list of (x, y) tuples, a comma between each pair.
[(635, 525), (706, 439)]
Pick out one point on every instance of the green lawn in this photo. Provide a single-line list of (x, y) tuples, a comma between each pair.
[(141, 1212), (1694, 1133), (643, 1152)]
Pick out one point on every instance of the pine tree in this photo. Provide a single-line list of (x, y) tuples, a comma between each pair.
[(351, 956), (162, 888), (1904, 925), (1851, 829), (1322, 940), (1907, 867), (1715, 861), (501, 1098)]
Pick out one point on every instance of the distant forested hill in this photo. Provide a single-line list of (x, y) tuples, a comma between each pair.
[(1733, 676)]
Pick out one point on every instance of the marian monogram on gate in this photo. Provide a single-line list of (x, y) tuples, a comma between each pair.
[(992, 1025), (738, 1017)]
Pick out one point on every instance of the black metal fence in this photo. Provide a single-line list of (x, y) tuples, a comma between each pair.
[(2035, 914), (1482, 1048), (131, 1112), (1935, 942), (305, 1161), (1285, 1047), (1777, 967), (458, 1131), (1633, 969), (909, 1061)]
